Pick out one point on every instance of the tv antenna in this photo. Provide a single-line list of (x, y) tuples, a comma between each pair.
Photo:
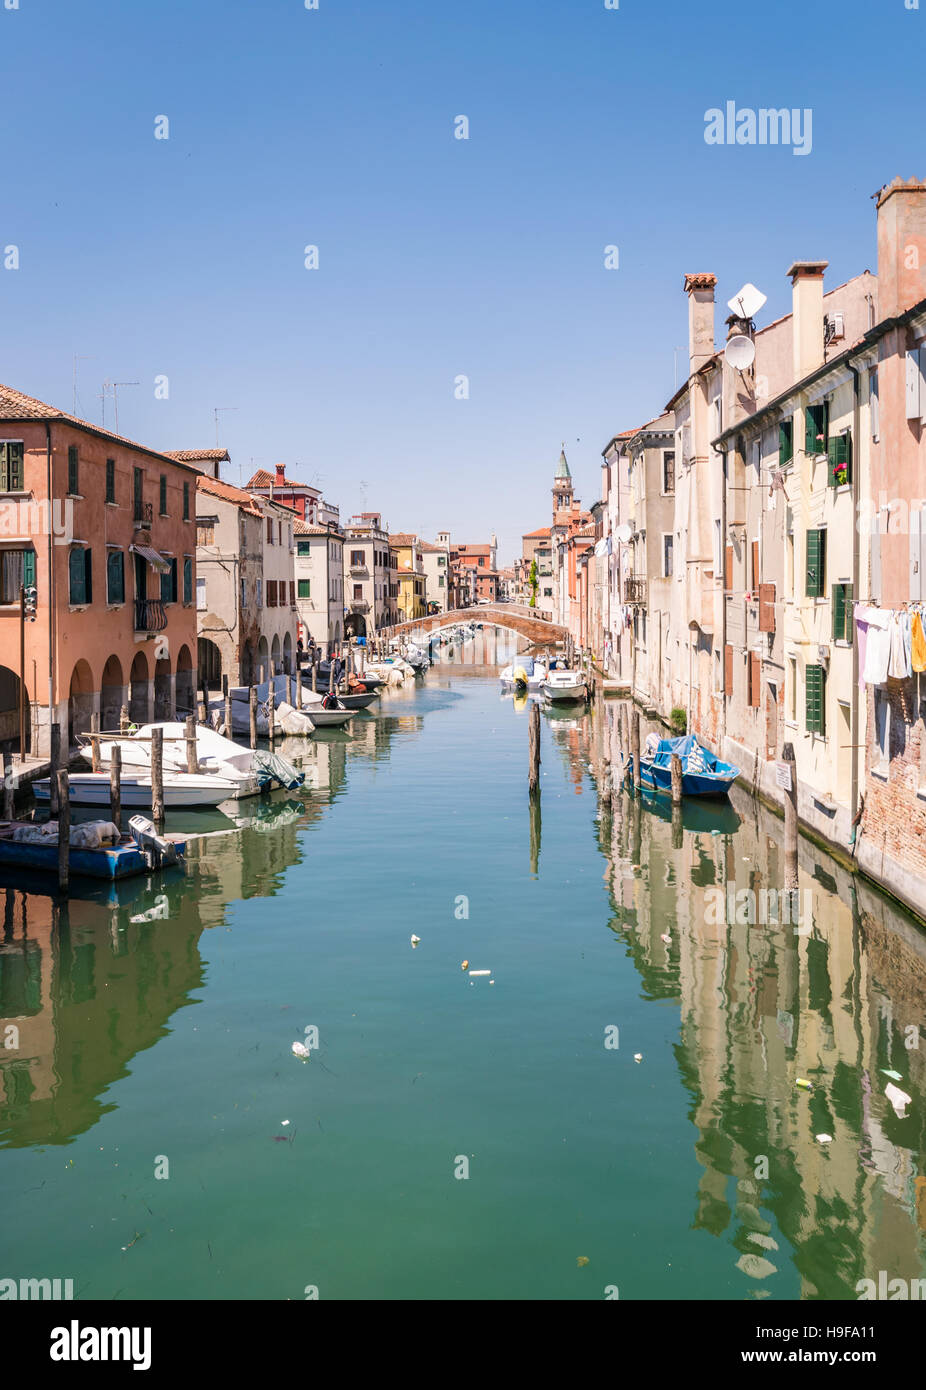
[(215, 412), (115, 388)]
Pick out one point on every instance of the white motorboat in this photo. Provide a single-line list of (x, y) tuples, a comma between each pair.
[(564, 685), (524, 672), (216, 756), (180, 789), (286, 718)]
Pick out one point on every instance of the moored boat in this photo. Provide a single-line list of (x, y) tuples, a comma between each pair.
[(703, 774), (106, 854), (180, 789), (564, 685)]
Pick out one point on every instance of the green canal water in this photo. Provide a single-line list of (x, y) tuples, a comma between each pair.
[(164, 1045)]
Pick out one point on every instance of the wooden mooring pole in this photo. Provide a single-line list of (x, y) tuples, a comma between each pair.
[(7, 783), (157, 776), (252, 701), (790, 807), (675, 765), (271, 696), (298, 687), (533, 729), (228, 707), (192, 761), (95, 764), (635, 747), (64, 829), (55, 763), (115, 787)]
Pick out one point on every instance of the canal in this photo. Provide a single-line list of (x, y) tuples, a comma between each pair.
[(614, 1107)]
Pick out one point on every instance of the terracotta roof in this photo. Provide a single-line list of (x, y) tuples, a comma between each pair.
[(14, 405), (433, 549), (264, 479), (228, 493), (541, 531), (308, 528), (189, 455), (700, 280), (403, 538)]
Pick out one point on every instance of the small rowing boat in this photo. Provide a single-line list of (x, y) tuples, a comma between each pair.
[(703, 774)]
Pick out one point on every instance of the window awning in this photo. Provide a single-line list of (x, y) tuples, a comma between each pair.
[(156, 561)]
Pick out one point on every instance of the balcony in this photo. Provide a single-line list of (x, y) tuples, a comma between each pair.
[(359, 605), (359, 570), (635, 589), (144, 514), (149, 615)]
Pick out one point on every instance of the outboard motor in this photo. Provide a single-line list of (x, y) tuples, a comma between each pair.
[(157, 850)]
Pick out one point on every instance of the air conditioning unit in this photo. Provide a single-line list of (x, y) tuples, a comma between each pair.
[(834, 327)]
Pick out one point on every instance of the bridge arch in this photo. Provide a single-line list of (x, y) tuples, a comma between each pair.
[(526, 622)]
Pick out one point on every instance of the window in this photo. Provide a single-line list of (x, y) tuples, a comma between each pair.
[(816, 428), (169, 583), (188, 578), (162, 504), (271, 593), (440, 581), (244, 592), (279, 533), (357, 558), (667, 556), (270, 530), (358, 592), (292, 593), (728, 670), (668, 470), (442, 559), (11, 467), (839, 453), (785, 442), (792, 689), (842, 612), (110, 480), (728, 569), (73, 475), (303, 547), (815, 699), (80, 575), (755, 679), (138, 492), (305, 588), (115, 577), (874, 404), (186, 501), (816, 564), (17, 571), (201, 593), (260, 593), (205, 533)]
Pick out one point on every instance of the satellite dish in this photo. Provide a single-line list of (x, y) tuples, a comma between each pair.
[(740, 351), (623, 533), (747, 303)]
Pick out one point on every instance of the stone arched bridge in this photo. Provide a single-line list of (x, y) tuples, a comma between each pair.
[(513, 616)]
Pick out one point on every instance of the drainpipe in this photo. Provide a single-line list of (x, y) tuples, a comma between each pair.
[(856, 468), (51, 578), (722, 557)]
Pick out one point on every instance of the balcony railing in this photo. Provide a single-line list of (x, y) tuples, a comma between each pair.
[(359, 605), (144, 514), (358, 569), (634, 589), (149, 615)]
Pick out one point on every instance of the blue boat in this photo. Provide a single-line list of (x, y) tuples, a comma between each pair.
[(703, 774), (122, 860)]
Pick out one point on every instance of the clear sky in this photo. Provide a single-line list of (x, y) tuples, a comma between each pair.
[(437, 257)]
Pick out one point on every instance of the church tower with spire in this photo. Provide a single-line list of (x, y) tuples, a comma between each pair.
[(562, 490)]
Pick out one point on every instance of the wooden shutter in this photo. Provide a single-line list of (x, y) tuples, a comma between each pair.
[(292, 593), (755, 679), (766, 607), (839, 453), (88, 575), (812, 587), (72, 469), (785, 442), (838, 610), (755, 564), (916, 403), (28, 569), (728, 670), (728, 568), (814, 688)]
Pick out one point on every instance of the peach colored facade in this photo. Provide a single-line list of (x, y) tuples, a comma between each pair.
[(99, 643)]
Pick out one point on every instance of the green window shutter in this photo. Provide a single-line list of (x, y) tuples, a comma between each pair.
[(838, 610), (73, 478), (28, 569), (115, 577), (110, 480), (814, 688), (88, 574), (163, 501), (165, 587), (785, 441), (188, 579), (186, 501), (305, 588), (814, 564), (11, 468), (76, 576)]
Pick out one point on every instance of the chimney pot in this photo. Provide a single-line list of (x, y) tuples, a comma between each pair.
[(901, 246), (807, 316)]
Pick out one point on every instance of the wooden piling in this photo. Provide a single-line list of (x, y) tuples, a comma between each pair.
[(192, 761), (252, 700), (115, 787), (289, 688), (55, 760), (7, 784), (675, 765), (123, 720), (790, 808), (271, 698), (315, 675), (157, 776), (298, 687), (635, 747), (95, 764), (228, 708), (64, 829), (533, 779)]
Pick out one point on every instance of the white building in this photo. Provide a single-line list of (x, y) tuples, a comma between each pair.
[(319, 571)]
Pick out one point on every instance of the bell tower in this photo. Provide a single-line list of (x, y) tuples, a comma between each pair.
[(562, 486)]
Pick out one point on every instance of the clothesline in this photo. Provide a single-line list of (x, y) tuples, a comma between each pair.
[(891, 642)]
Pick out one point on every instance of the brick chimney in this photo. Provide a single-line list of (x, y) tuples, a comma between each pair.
[(901, 246), (281, 475), (807, 312), (700, 292)]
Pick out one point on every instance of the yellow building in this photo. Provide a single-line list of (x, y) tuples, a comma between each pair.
[(412, 598)]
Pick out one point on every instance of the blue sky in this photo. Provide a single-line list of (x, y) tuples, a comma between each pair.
[(437, 257)]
